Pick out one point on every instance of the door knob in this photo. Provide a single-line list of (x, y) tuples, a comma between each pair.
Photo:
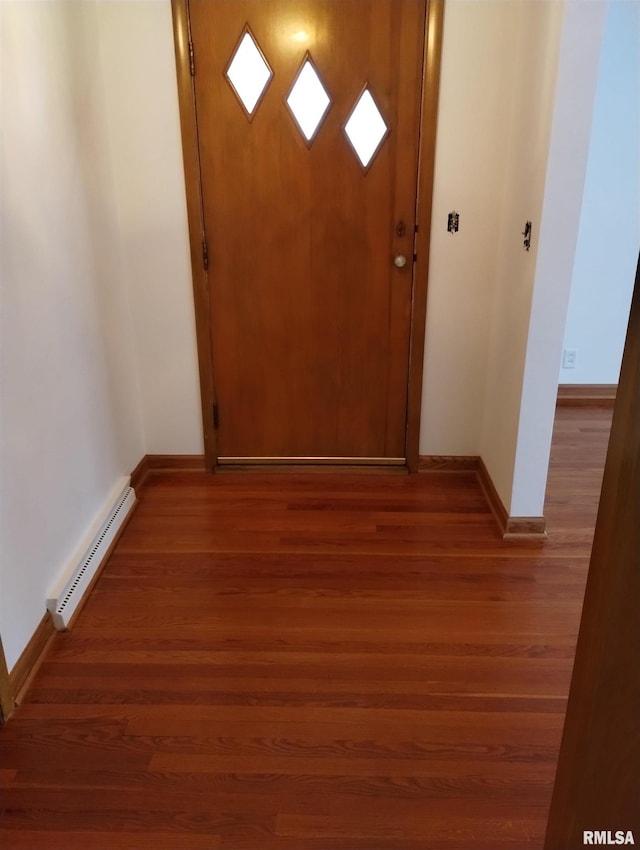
[(399, 261)]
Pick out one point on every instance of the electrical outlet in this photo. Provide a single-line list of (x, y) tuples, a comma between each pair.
[(569, 358)]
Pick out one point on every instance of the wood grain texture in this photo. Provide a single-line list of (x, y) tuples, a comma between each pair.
[(510, 527), (403, 395), (139, 473), (587, 395), (525, 526), (7, 695), (299, 661), (310, 318), (196, 221), (32, 655), (427, 160), (448, 463), (165, 463), (598, 779)]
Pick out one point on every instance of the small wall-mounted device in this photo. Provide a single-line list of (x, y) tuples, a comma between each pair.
[(453, 223), (526, 242)]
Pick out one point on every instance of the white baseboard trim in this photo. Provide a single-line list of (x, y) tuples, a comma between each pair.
[(68, 592)]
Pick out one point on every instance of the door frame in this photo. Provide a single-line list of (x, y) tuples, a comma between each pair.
[(197, 225)]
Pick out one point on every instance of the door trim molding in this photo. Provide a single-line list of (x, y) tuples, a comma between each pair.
[(426, 170), (195, 218), (426, 165)]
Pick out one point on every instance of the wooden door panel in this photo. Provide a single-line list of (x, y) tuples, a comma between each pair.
[(310, 319)]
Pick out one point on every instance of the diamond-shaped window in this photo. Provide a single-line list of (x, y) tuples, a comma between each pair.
[(366, 128), (248, 73), (308, 100)]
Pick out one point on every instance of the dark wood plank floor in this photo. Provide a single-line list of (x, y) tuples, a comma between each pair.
[(336, 662)]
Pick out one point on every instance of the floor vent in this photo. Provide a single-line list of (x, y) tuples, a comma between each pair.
[(63, 607)]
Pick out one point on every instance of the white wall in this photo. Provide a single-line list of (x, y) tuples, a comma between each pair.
[(522, 180), (563, 192), (498, 82), (472, 142), (136, 40), (70, 423), (609, 235), (495, 313), (498, 88), (98, 362)]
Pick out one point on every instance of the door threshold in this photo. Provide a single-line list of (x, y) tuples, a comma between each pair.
[(313, 464)]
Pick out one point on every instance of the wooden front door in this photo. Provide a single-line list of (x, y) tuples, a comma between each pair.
[(308, 124)]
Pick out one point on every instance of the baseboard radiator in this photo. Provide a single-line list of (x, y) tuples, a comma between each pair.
[(63, 603)]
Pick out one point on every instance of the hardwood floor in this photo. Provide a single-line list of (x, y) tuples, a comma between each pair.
[(331, 662)]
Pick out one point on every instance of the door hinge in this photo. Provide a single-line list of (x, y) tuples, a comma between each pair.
[(192, 60), (415, 257), (205, 255), (216, 418)]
